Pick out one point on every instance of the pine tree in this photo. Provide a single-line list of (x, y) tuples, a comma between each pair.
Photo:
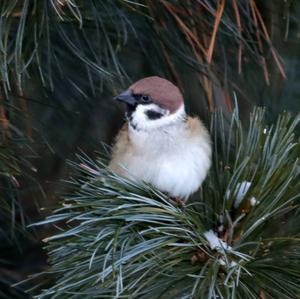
[(61, 61), (238, 238)]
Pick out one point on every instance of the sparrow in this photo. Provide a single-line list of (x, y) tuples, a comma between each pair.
[(160, 144)]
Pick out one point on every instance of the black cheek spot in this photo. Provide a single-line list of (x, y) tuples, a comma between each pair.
[(151, 114)]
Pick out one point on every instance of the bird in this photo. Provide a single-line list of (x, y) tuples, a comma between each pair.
[(160, 144)]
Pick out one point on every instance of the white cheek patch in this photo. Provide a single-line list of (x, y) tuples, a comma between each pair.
[(141, 121)]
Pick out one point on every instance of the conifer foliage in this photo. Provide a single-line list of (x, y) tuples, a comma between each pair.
[(237, 238), (61, 62)]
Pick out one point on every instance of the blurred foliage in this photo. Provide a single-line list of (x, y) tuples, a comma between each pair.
[(13, 235), (212, 41), (61, 61)]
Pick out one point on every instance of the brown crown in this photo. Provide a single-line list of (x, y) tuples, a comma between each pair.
[(162, 92)]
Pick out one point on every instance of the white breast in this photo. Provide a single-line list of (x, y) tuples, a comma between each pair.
[(169, 159)]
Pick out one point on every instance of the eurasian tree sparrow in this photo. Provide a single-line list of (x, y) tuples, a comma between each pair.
[(160, 144)]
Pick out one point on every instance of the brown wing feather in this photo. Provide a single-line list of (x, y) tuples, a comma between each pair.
[(196, 127), (120, 147)]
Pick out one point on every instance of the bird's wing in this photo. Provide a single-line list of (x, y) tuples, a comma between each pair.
[(199, 133), (119, 149), (196, 127)]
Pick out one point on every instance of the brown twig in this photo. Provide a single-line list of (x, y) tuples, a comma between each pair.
[(265, 70), (171, 66), (228, 101), (267, 36), (239, 27), (207, 85), (251, 3), (3, 119), (218, 17), (262, 294), (260, 46), (168, 60), (185, 30)]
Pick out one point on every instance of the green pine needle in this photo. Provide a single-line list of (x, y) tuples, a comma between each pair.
[(121, 239)]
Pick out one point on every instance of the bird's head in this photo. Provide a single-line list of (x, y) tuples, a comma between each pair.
[(153, 103)]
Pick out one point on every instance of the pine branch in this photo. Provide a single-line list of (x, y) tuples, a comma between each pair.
[(39, 38), (238, 238)]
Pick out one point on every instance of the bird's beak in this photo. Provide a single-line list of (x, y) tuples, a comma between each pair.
[(126, 97)]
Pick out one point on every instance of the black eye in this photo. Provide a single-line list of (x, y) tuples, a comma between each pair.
[(144, 99)]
